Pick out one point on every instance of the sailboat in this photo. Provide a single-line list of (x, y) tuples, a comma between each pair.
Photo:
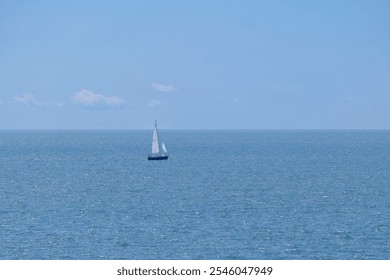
[(156, 154)]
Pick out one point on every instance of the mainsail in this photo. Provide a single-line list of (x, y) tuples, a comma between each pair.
[(155, 145)]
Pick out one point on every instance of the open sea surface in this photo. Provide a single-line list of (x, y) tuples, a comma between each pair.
[(228, 194)]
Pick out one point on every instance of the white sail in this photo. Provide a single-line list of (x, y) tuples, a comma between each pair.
[(164, 148), (155, 145)]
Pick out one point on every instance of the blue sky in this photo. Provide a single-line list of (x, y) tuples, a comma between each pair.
[(194, 64)]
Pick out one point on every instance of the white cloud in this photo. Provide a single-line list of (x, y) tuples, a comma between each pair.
[(29, 99), (58, 104), (154, 103), (90, 99), (26, 99), (163, 88)]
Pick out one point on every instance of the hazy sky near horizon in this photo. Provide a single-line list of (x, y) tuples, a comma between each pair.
[(194, 64)]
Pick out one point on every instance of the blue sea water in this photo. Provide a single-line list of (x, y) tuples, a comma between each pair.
[(226, 194)]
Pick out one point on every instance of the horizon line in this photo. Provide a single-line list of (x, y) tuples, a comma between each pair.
[(248, 129)]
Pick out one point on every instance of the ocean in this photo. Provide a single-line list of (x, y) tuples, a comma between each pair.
[(222, 194)]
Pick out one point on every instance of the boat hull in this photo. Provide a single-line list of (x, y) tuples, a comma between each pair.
[(158, 157)]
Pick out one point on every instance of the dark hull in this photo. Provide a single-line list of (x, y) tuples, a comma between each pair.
[(157, 157)]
